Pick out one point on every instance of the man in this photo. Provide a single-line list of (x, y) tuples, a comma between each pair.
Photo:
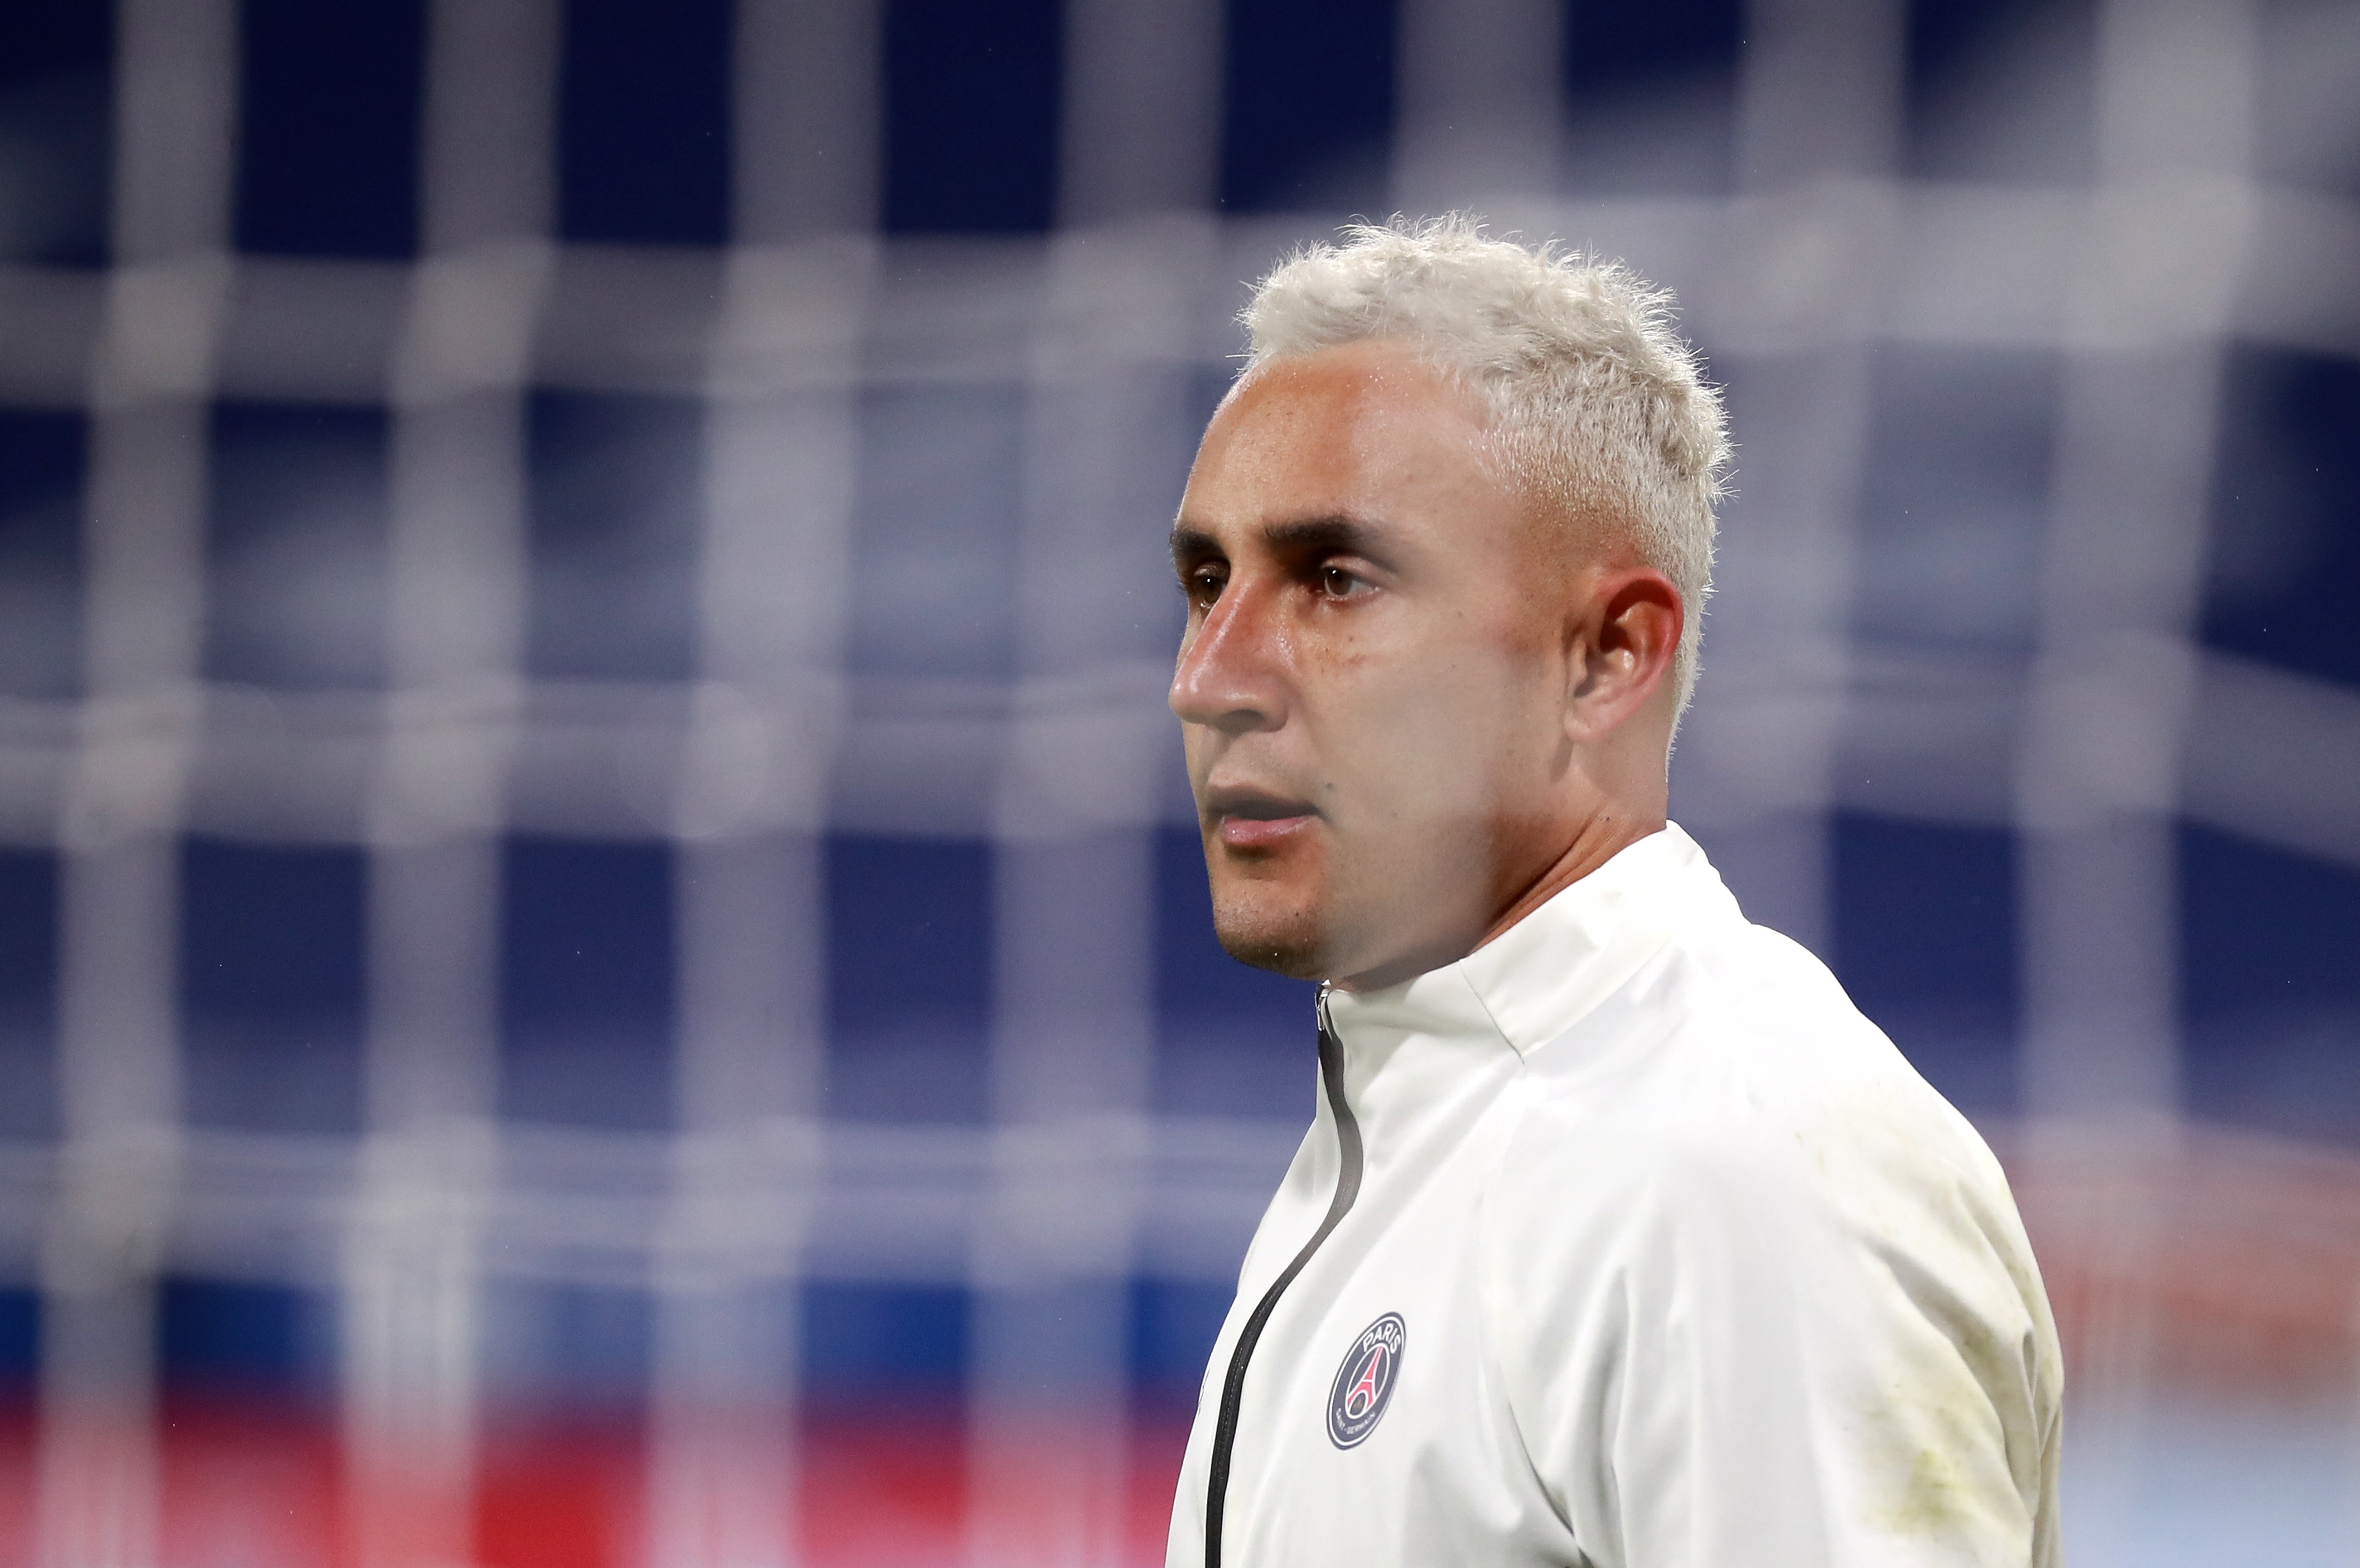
[(1620, 1237)]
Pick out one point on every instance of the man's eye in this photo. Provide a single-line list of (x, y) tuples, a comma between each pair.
[(1338, 583), (1203, 586)]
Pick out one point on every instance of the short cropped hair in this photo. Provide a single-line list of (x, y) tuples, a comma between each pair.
[(1598, 408)]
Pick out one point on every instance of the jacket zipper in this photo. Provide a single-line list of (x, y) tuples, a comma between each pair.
[(1348, 1188)]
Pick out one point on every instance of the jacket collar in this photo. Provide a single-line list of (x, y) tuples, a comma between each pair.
[(1543, 975)]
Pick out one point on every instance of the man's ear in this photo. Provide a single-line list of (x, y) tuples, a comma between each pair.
[(1625, 642)]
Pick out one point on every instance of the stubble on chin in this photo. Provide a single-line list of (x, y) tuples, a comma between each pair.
[(1266, 933)]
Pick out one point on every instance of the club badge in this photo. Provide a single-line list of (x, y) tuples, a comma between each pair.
[(1365, 1382)]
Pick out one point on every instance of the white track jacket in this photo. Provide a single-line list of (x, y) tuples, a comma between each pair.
[(1626, 1241)]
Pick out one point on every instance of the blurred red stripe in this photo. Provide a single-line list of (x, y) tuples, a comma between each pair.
[(2204, 1258), (255, 1482), (17, 1458)]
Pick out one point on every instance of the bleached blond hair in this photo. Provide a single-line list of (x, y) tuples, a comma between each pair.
[(1598, 408)]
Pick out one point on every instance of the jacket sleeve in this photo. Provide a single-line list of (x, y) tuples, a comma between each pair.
[(1776, 1347)]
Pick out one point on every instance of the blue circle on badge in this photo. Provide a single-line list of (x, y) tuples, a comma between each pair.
[(1365, 1384)]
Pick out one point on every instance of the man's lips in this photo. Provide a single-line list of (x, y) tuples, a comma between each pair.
[(1250, 820)]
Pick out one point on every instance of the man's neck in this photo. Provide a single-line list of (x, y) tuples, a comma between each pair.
[(1606, 834)]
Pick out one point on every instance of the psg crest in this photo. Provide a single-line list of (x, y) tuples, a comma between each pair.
[(1365, 1382)]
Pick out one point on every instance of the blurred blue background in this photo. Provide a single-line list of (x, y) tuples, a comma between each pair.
[(603, 956)]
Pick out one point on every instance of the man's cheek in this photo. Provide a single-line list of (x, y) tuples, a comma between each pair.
[(1421, 761)]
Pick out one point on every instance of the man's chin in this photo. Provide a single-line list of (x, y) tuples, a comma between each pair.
[(1283, 942), (1295, 961), (1303, 943)]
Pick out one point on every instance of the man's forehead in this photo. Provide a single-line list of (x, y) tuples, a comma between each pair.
[(1379, 379), (1347, 431)]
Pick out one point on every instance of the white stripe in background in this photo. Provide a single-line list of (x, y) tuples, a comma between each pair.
[(1810, 255), (749, 800), (412, 1296), (2121, 574), (1478, 89), (2113, 681), (2275, 757), (99, 1488)]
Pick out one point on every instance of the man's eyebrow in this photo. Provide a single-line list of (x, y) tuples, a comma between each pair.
[(1192, 544), (1301, 535), (1340, 530)]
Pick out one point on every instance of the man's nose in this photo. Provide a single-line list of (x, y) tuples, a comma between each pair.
[(1228, 676)]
